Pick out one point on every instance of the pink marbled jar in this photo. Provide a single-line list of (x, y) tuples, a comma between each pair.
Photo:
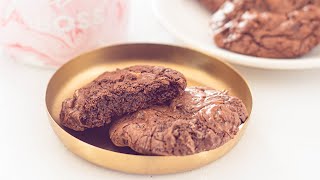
[(50, 32)]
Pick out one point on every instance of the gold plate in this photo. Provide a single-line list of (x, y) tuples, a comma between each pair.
[(94, 145)]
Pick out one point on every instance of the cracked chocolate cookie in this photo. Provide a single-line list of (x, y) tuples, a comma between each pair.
[(199, 120), (270, 28), (120, 92), (234, 9)]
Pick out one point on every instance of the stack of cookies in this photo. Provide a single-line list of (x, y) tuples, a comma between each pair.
[(151, 111)]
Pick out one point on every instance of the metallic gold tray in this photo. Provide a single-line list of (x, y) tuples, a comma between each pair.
[(94, 145)]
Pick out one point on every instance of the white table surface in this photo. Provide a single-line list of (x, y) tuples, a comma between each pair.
[(281, 142)]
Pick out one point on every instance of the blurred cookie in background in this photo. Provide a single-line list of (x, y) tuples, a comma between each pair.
[(263, 29)]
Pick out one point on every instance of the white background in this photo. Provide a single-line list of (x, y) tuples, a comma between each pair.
[(281, 142)]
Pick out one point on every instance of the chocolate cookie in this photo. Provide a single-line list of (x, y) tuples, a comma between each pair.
[(199, 120), (212, 5), (117, 93), (264, 29), (233, 9)]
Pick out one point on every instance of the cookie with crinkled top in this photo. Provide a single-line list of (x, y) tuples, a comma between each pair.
[(201, 119)]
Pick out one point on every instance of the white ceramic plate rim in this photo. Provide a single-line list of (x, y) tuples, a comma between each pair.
[(234, 58)]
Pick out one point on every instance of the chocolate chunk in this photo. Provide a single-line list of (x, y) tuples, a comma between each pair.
[(199, 120), (120, 92)]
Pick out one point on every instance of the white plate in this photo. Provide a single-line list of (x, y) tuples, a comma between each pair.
[(189, 22)]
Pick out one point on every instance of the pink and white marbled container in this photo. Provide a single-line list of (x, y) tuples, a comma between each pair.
[(51, 32)]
